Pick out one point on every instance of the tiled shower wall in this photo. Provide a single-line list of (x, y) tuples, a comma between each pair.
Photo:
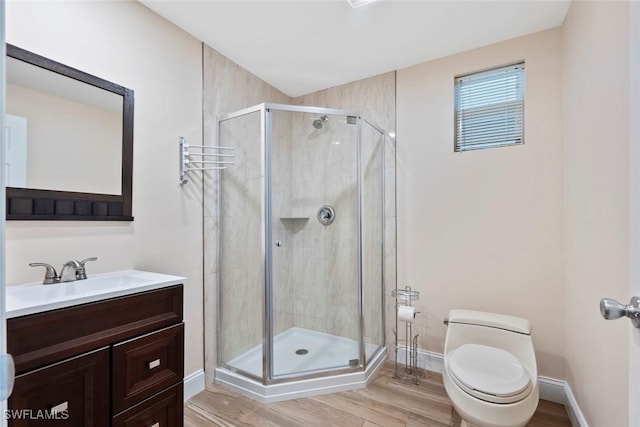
[(297, 284), (227, 88), (374, 99)]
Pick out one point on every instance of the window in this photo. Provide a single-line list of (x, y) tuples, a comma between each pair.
[(490, 108)]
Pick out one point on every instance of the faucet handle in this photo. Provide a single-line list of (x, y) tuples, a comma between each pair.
[(82, 273), (50, 275), (93, 258)]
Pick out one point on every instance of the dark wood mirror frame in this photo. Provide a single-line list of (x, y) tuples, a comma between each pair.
[(33, 204)]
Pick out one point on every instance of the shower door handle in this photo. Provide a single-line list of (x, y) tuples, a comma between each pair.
[(278, 243)]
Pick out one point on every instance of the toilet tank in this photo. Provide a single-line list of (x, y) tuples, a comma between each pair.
[(509, 333)]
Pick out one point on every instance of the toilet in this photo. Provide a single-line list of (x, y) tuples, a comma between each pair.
[(490, 371)]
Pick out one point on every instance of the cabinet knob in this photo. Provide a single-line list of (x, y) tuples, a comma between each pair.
[(154, 364), (155, 425)]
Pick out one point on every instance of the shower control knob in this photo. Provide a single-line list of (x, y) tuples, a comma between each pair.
[(326, 214), (611, 309), (278, 243)]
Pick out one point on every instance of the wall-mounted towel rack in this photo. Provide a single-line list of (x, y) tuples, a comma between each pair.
[(203, 160)]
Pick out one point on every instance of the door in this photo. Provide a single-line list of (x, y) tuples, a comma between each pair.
[(314, 242), (15, 150), (6, 375), (634, 207)]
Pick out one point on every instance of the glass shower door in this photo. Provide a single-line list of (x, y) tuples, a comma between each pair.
[(372, 191), (241, 269), (314, 242)]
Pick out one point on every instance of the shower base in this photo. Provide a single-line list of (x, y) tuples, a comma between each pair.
[(323, 352)]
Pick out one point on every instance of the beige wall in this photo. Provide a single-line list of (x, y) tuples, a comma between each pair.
[(596, 91), (483, 229), (125, 43)]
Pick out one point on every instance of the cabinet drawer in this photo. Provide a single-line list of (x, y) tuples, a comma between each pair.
[(146, 365), (78, 388), (40, 339), (162, 410)]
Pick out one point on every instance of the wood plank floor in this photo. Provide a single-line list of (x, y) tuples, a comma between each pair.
[(384, 402)]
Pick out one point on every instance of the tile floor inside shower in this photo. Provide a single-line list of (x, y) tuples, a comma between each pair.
[(323, 351)]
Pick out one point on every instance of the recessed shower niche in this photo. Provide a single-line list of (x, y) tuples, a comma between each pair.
[(300, 282)]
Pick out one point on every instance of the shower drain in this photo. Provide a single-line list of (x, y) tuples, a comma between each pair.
[(302, 351)]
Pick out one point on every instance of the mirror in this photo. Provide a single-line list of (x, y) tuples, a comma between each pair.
[(54, 124), (70, 142)]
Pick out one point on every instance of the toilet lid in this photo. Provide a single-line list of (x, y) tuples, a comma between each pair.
[(489, 373)]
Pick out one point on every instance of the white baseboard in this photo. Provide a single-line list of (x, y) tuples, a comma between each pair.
[(427, 360), (551, 389), (193, 384), (575, 414)]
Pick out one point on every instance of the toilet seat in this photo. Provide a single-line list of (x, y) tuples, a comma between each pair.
[(488, 373)]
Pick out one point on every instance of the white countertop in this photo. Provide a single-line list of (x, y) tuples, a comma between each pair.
[(35, 297)]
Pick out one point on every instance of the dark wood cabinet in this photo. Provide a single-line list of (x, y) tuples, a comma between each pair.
[(118, 361), (163, 410), (70, 393), (146, 365)]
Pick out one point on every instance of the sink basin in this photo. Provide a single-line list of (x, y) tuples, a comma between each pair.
[(36, 297)]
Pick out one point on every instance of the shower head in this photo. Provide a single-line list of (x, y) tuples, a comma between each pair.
[(319, 123)]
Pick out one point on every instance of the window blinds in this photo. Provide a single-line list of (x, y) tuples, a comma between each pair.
[(489, 108)]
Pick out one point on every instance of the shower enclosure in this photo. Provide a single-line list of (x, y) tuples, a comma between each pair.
[(300, 226)]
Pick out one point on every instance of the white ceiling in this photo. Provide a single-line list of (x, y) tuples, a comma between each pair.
[(301, 46)]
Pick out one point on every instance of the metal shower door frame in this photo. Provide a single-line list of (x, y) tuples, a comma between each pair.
[(266, 141), (219, 309)]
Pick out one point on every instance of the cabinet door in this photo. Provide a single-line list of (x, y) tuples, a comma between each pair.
[(165, 409), (146, 365), (74, 392)]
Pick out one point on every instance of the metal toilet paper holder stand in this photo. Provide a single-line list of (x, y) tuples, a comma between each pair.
[(406, 297)]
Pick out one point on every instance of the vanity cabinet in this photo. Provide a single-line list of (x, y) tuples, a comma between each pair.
[(117, 361), (49, 394)]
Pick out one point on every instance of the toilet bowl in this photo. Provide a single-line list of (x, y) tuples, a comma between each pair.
[(490, 371)]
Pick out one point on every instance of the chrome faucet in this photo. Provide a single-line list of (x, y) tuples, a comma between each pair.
[(71, 270)]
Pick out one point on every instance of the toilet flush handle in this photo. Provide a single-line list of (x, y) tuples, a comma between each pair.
[(612, 309)]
